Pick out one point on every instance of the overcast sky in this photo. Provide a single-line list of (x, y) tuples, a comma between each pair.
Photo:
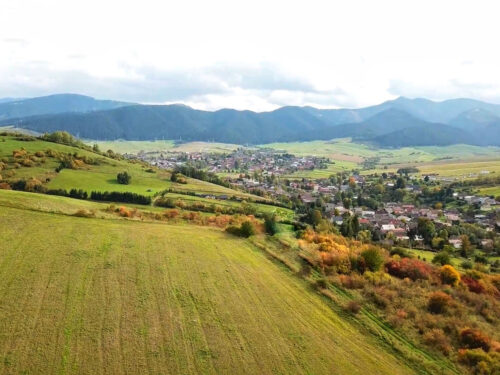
[(255, 54)]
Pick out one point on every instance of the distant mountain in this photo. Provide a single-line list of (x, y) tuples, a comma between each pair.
[(428, 134), (53, 104), (383, 122), (7, 100), (393, 123)]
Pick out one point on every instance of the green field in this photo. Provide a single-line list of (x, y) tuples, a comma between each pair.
[(102, 177), (134, 147), (116, 296), (493, 190)]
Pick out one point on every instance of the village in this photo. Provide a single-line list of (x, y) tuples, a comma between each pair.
[(389, 205)]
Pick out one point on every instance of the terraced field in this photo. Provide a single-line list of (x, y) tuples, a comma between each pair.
[(101, 296)]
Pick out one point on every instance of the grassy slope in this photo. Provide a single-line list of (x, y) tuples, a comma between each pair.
[(114, 296), (102, 177)]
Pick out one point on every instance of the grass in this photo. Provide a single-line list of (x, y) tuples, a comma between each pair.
[(492, 190), (110, 296), (102, 177)]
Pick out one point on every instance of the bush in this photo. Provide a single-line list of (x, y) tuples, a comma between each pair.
[(442, 258), (373, 258), (123, 178), (438, 302), (473, 339), (247, 229), (84, 213), (438, 339), (403, 253), (473, 285), (449, 275), (413, 269), (353, 307), (270, 224)]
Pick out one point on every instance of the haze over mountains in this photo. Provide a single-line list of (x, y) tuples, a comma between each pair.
[(396, 123)]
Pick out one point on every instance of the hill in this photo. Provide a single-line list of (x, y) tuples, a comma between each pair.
[(31, 159), (53, 104), (424, 135), (90, 295)]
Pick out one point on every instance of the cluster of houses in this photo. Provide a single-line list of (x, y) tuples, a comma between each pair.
[(265, 161)]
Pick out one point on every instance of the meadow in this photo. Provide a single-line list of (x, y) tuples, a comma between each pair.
[(84, 295), (102, 175)]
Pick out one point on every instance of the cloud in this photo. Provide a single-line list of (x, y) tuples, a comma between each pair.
[(264, 85)]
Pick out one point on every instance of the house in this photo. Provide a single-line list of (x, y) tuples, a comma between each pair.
[(455, 242)]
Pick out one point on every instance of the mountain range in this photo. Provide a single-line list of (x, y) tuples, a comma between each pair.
[(395, 123)]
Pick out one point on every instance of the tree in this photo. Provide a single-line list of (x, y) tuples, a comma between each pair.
[(442, 258), (373, 258), (347, 203), (400, 183), (270, 224), (247, 229), (426, 229), (449, 275), (364, 236), (466, 246), (123, 178)]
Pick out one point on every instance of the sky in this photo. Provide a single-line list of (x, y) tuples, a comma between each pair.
[(256, 55)]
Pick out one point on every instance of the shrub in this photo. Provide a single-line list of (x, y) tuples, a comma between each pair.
[(84, 213), (378, 278), (473, 339), (467, 265), (438, 302), (413, 269), (449, 275), (473, 285), (373, 258), (438, 339), (270, 224), (442, 258), (123, 178), (124, 212), (247, 229), (353, 307), (403, 253), (5, 186)]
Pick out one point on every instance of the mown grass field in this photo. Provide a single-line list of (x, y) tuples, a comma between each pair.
[(115, 296)]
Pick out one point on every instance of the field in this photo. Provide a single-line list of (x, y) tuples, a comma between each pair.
[(117, 296), (461, 161), (102, 177), (494, 191), (134, 147)]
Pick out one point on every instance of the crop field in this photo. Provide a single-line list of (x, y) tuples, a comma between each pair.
[(333, 168), (113, 296)]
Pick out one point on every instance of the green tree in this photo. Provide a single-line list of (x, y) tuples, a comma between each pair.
[(373, 258), (270, 224), (247, 229), (123, 178)]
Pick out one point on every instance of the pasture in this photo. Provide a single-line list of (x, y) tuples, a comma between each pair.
[(114, 296)]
